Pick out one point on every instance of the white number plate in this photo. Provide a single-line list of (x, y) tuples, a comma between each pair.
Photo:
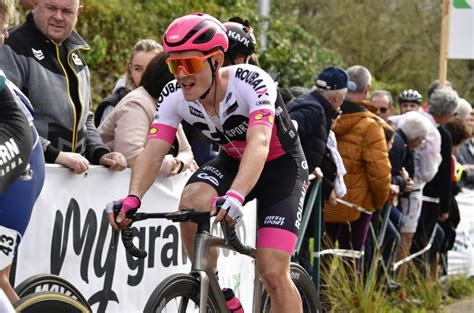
[(7, 246)]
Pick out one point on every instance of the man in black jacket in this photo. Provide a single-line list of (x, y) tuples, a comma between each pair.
[(437, 192), (314, 114)]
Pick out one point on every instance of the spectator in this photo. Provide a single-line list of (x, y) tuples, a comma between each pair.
[(299, 90), (142, 52), (242, 42), (314, 114), (126, 128), (460, 131), (42, 57), (412, 131), (409, 100), (465, 156), (382, 99), (361, 143), (464, 109), (437, 192)]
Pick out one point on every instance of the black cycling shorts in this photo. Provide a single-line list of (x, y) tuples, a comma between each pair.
[(280, 193)]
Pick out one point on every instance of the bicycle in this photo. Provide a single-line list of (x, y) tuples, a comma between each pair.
[(199, 290)]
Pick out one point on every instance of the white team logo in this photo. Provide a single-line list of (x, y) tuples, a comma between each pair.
[(304, 165), (38, 54), (205, 176), (76, 60)]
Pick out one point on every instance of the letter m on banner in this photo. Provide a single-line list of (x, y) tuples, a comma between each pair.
[(461, 30)]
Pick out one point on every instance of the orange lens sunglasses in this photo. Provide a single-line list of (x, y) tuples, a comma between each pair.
[(190, 65)]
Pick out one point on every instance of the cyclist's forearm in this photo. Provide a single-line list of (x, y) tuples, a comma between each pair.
[(145, 169)]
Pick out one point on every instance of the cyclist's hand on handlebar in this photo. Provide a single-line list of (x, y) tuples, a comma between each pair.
[(231, 207), (129, 204)]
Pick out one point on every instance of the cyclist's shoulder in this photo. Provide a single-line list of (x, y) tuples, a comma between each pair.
[(246, 77)]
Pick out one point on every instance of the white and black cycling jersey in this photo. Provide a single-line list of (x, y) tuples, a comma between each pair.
[(251, 99)]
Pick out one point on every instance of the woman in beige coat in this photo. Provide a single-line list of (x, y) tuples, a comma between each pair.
[(125, 129)]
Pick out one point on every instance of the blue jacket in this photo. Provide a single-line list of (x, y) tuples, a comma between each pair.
[(314, 115)]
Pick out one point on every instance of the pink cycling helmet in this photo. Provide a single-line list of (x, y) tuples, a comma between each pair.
[(197, 31)]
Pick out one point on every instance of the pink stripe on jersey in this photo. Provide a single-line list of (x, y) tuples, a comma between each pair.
[(262, 117), (163, 132), (276, 238)]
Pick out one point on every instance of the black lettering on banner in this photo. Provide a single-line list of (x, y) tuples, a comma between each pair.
[(84, 237)]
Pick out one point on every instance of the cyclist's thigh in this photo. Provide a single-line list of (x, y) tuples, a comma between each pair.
[(211, 179), (17, 202), (280, 193)]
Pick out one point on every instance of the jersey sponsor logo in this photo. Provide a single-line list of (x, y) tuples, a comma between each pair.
[(299, 213), (231, 109), (304, 165), (252, 78), (274, 220), (213, 170), (76, 59), (9, 157), (263, 102), (38, 54), (153, 131), (169, 89), (207, 177), (195, 112), (263, 116), (238, 130)]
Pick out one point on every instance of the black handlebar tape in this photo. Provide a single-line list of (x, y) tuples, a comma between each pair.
[(127, 240)]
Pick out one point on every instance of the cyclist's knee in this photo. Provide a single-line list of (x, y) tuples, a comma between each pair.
[(273, 268), (197, 196), (274, 280)]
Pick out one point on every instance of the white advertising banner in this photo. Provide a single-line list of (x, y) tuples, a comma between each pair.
[(68, 235), (461, 257), (461, 30)]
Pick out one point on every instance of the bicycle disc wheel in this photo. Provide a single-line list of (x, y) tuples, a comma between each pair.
[(49, 283), (306, 289), (51, 302), (178, 293)]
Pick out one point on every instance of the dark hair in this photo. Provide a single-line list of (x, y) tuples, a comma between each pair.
[(286, 94), (156, 75), (459, 130), (388, 131)]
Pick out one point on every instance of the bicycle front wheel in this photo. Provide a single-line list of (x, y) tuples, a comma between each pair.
[(178, 293), (307, 290)]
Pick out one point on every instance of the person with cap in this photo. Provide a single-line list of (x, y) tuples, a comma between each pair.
[(236, 107), (314, 114), (362, 145)]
